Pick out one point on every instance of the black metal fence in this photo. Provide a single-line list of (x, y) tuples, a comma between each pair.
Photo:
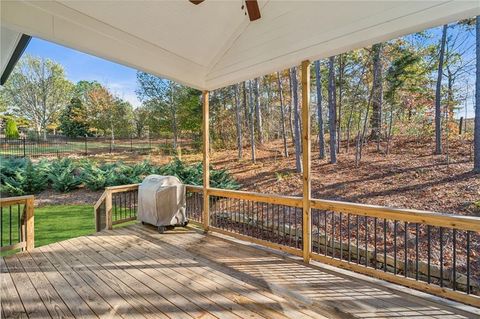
[(57, 145)]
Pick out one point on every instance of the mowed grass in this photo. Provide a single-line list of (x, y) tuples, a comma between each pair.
[(52, 224), (61, 222)]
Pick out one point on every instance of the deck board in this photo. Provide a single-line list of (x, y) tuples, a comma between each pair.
[(134, 272)]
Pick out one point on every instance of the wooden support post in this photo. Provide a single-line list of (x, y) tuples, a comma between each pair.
[(30, 224), (206, 162), (306, 157), (108, 210)]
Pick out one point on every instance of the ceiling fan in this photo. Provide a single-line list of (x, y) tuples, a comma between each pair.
[(251, 5)]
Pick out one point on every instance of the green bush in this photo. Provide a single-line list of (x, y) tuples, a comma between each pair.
[(20, 176), (11, 130), (64, 175)]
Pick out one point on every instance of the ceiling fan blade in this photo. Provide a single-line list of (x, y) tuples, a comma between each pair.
[(253, 9), (196, 1)]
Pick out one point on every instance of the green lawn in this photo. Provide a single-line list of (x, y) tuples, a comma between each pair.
[(54, 223)]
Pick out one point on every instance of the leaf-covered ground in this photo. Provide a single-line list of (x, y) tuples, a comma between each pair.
[(410, 177)]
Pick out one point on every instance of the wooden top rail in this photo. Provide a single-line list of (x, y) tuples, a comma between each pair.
[(194, 188), (408, 215), (122, 188), (257, 197), (9, 201)]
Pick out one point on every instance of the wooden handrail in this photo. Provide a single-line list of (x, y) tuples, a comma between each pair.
[(28, 223), (9, 201), (258, 197), (194, 188), (122, 188), (409, 215)]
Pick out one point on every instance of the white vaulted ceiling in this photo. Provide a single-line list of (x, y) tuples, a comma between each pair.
[(214, 44)]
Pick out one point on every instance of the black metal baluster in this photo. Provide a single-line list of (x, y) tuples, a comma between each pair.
[(318, 231), (405, 250), (429, 251), (416, 251), (243, 217), (385, 245), (468, 262), (269, 234), (18, 223), (341, 241), (394, 247), (358, 239), (326, 241), (365, 218), (375, 243), (454, 267), (333, 234), (348, 240), (279, 238), (114, 199), (10, 222), (441, 256)]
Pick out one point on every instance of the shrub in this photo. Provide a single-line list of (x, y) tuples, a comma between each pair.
[(93, 177), (11, 130), (63, 175), (21, 176)]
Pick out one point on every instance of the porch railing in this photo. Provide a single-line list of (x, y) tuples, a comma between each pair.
[(17, 230), (118, 204), (432, 252)]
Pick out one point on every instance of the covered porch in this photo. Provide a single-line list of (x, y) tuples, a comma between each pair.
[(135, 272)]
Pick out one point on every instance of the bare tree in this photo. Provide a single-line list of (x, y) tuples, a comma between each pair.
[(377, 98), (298, 147), (238, 122), (252, 122), (438, 94), (258, 112), (332, 109), (321, 136), (282, 113)]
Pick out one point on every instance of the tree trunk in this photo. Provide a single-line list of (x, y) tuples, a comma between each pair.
[(390, 130), (438, 94), (290, 113), (476, 156), (252, 124), (246, 118), (332, 109), (377, 89), (238, 122), (258, 112), (341, 70), (298, 147), (321, 136), (282, 114)]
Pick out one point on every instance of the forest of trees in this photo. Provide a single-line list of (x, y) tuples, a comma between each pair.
[(411, 86)]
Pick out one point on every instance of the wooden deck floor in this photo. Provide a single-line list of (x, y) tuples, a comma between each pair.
[(134, 272)]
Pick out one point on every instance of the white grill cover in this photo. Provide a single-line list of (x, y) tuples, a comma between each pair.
[(161, 201)]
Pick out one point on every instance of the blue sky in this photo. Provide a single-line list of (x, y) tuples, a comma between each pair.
[(120, 79)]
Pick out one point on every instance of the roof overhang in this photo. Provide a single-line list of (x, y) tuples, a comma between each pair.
[(213, 44), (12, 45)]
